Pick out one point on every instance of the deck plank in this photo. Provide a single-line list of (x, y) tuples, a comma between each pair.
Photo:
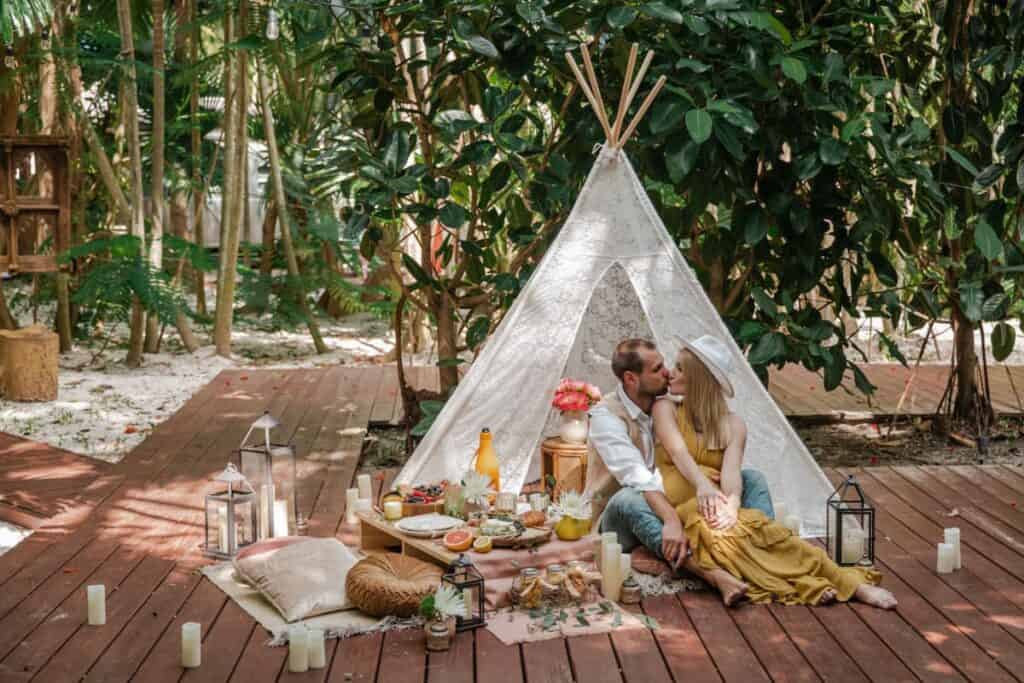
[(681, 646), (733, 657), (496, 661)]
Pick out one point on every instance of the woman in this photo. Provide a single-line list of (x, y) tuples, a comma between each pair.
[(740, 551)]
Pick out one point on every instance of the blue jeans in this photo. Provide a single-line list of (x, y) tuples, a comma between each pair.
[(629, 515)]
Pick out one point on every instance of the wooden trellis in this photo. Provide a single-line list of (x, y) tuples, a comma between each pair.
[(35, 203)]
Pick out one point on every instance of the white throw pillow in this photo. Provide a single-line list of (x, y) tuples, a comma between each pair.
[(301, 579)]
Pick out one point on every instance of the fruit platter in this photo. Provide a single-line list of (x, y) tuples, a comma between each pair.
[(497, 532), (418, 499)]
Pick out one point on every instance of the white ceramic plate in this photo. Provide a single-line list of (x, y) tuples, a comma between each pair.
[(428, 525)]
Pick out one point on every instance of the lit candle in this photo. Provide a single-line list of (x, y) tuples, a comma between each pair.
[(351, 498), (97, 605), (853, 546), (611, 566), (298, 649), (952, 537), (266, 509), (393, 510), (191, 645), (222, 528), (467, 600), (792, 522), (280, 518), (365, 486), (317, 653), (946, 560)]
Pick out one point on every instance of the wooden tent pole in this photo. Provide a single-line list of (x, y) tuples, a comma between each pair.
[(626, 83), (586, 91), (635, 86), (596, 88), (643, 110)]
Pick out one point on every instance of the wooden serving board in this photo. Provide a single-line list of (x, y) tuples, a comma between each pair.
[(528, 539)]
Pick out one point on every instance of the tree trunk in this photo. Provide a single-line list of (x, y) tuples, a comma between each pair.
[(156, 246), (282, 211), (234, 159), (964, 404), (447, 343), (131, 123), (199, 196)]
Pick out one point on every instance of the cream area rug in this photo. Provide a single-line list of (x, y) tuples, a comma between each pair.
[(340, 624)]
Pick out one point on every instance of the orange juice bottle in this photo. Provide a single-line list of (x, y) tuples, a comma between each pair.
[(487, 459)]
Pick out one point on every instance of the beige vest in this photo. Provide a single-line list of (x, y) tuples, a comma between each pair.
[(601, 485)]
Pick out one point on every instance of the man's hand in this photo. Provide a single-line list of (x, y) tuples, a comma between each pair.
[(710, 500), (674, 544)]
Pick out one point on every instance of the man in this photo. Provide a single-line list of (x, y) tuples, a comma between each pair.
[(621, 477)]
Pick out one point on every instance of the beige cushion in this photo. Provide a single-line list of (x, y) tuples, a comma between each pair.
[(302, 578)]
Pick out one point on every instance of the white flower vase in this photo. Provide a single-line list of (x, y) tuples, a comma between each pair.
[(574, 427)]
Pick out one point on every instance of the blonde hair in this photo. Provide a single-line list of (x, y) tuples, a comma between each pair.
[(705, 405)]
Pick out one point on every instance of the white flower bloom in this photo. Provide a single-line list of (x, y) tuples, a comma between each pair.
[(572, 504), (449, 601), (476, 487)]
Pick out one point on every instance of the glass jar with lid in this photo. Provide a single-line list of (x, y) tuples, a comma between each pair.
[(526, 577)]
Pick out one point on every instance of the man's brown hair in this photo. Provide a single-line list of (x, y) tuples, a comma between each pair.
[(627, 356)]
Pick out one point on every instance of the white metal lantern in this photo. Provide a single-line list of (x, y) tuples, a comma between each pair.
[(271, 470), (230, 515)]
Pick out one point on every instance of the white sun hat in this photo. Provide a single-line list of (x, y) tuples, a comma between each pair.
[(716, 357)]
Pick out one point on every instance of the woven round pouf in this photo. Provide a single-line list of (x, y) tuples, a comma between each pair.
[(391, 585)]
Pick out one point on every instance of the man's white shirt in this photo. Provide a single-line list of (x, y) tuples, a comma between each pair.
[(610, 437)]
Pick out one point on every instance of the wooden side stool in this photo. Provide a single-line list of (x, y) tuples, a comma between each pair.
[(28, 364), (565, 462)]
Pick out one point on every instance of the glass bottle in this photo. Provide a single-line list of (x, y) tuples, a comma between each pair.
[(487, 459), (525, 577)]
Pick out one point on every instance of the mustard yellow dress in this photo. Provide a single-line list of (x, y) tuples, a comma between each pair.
[(777, 565)]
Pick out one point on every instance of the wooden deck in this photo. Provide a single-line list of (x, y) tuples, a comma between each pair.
[(135, 527)]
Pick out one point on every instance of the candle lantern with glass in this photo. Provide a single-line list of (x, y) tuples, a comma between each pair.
[(230, 515), (270, 469), (850, 530), (466, 578)]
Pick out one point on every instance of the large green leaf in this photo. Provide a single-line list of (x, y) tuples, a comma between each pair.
[(770, 347), (666, 116), (477, 331), (660, 10), (765, 303), (621, 17), (971, 299), (532, 11), (756, 226), (994, 307), (987, 241), (1003, 339), (964, 162), (699, 125), (883, 269), (453, 215), (681, 159), (794, 69), (833, 152), (481, 45), (987, 178)]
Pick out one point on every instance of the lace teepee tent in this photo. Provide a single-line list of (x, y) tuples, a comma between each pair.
[(612, 272)]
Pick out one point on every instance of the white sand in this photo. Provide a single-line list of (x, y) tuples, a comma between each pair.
[(11, 535)]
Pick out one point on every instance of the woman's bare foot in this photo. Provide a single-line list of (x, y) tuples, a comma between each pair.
[(827, 598), (875, 596), (732, 589)]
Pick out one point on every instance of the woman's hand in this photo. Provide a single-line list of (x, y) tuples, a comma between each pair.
[(710, 500), (727, 517)]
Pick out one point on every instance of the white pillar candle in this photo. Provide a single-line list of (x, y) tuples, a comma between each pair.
[(792, 522), (946, 560), (266, 509), (603, 540), (222, 530), (280, 518), (365, 486), (191, 645), (952, 537), (625, 566), (393, 510), (364, 505), (853, 545), (298, 649), (611, 566), (97, 596), (317, 652), (351, 498)]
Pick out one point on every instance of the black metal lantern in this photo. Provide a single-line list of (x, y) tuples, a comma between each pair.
[(851, 526), (464, 577), (230, 516), (271, 471)]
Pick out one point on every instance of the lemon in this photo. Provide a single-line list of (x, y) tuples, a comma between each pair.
[(483, 544)]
